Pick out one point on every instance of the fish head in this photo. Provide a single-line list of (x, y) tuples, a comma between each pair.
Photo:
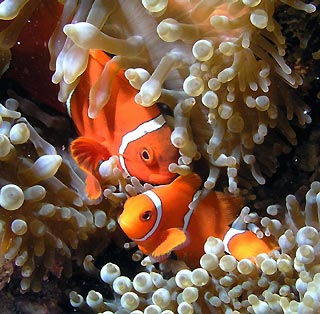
[(149, 157), (139, 218), (143, 221)]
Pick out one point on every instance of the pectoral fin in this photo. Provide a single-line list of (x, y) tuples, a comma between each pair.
[(88, 153), (169, 240)]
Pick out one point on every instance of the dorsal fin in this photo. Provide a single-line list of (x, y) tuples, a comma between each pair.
[(99, 56), (191, 180), (227, 206)]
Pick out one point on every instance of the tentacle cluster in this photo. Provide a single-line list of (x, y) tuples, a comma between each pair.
[(220, 65), (283, 282), (229, 58), (44, 218)]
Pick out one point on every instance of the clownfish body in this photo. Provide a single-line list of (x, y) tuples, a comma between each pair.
[(160, 221), (139, 136)]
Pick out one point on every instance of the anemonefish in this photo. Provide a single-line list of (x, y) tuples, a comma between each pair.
[(160, 221), (139, 136)]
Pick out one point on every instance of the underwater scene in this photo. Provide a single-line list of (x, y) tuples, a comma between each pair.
[(159, 156)]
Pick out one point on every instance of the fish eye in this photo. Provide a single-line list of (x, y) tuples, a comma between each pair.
[(147, 156), (146, 215)]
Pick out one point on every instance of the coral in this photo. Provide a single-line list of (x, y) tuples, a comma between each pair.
[(44, 217), (285, 281)]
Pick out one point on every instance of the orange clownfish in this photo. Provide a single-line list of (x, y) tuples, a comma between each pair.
[(160, 221), (139, 136)]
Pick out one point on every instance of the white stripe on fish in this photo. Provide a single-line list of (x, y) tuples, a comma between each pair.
[(140, 131)]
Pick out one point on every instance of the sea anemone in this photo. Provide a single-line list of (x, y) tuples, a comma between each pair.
[(222, 68), (285, 281), (219, 65), (44, 216)]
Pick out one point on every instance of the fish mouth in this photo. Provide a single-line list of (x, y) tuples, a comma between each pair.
[(123, 226), (126, 227), (119, 221)]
